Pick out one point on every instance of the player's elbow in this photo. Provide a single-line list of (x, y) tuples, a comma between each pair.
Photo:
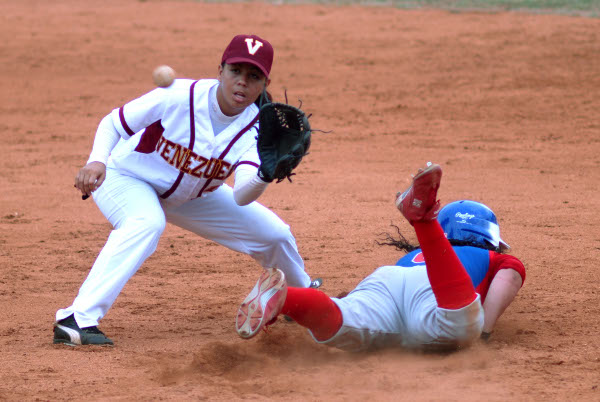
[(512, 277), (247, 190), (241, 199), (242, 203)]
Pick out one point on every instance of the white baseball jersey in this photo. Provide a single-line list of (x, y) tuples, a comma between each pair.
[(173, 162), (169, 141)]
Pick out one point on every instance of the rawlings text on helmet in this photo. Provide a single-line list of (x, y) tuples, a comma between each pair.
[(471, 222), (464, 216)]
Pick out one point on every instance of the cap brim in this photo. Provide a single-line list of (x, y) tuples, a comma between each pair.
[(234, 60)]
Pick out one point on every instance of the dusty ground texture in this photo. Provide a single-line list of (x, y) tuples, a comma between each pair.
[(507, 103)]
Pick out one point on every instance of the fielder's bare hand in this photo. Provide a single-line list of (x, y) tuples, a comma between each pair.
[(90, 177)]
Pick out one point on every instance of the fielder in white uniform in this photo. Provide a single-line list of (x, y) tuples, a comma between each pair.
[(444, 294), (164, 157)]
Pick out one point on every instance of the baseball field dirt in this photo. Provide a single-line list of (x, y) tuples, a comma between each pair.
[(506, 102)]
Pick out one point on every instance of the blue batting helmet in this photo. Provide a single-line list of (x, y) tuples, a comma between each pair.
[(471, 221)]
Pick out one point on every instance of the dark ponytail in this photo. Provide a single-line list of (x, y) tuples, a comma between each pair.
[(402, 244)]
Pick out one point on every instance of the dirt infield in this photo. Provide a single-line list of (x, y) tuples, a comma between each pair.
[(507, 103)]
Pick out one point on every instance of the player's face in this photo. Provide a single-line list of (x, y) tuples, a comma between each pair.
[(240, 85)]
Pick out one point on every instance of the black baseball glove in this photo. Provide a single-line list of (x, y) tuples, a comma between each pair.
[(283, 140)]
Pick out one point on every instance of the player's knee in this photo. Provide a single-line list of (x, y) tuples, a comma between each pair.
[(278, 235), (153, 225), (156, 224), (467, 322)]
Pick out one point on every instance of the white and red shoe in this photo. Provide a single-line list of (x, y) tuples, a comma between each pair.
[(263, 304), (419, 203)]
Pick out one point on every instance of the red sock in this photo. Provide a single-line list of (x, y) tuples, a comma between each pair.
[(449, 280), (314, 310)]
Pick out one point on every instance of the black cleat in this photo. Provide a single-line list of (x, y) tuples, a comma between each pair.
[(66, 331)]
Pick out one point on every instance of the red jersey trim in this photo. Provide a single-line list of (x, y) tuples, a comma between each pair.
[(124, 123), (150, 138), (497, 262)]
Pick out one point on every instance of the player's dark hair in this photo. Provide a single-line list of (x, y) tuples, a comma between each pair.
[(402, 244)]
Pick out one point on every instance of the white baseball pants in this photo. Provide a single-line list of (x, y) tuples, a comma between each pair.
[(395, 307), (134, 209)]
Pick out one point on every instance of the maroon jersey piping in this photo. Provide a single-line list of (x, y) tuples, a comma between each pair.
[(123, 122), (226, 151), (192, 140)]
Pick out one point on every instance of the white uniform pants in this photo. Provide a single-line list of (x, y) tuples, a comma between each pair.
[(135, 211), (395, 307)]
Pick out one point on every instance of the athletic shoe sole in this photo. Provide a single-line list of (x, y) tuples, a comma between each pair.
[(418, 203), (263, 304)]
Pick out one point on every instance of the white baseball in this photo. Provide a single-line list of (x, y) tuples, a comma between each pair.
[(163, 76)]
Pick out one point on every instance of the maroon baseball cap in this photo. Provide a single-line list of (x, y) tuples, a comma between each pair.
[(250, 49)]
